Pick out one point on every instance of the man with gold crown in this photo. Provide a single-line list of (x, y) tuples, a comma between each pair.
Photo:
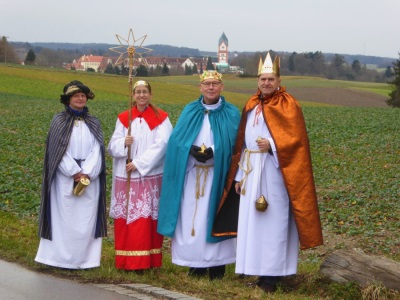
[(271, 171), (196, 164)]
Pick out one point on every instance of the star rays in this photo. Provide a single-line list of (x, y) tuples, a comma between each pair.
[(131, 51)]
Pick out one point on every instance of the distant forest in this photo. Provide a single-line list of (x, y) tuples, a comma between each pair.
[(328, 65)]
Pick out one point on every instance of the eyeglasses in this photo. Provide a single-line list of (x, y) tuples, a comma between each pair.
[(209, 84), (141, 92)]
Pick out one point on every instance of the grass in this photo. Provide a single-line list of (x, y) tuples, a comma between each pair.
[(355, 154)]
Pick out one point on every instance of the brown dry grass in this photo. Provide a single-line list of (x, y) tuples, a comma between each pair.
[(340, 97)]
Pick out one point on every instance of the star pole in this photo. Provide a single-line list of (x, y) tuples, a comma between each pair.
[(128, 52)]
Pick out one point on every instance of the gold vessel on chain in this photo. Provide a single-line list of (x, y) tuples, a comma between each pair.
[(261, 204)]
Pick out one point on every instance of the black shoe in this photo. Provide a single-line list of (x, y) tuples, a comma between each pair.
[(197, 272), (217, 272), (268, 288), (268, 283)]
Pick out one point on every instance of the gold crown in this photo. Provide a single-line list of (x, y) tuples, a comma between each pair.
[(268, 67), (210, 75), (139, 82)]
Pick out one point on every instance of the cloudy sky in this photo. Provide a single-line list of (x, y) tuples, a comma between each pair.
[(364, 27)]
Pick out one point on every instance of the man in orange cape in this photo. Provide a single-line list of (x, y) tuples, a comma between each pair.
[(271, 160)]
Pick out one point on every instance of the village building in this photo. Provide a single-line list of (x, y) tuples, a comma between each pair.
[(87, 62), (179, 65), (173, 63)]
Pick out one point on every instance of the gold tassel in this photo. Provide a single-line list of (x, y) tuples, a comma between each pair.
[(199, 190), (77, 121)]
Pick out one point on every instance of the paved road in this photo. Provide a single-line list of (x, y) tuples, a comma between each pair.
[(18, 283)]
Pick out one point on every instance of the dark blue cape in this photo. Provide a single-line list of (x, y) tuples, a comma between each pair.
[(224, 123)]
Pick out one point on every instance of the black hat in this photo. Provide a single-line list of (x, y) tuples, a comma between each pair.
[(74, 87)]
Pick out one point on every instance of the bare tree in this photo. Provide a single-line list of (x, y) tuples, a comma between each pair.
[(394, 95)]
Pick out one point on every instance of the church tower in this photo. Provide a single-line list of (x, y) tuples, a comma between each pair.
[(223, 49)]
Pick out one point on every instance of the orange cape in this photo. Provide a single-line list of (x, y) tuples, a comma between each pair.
[(286, 124)]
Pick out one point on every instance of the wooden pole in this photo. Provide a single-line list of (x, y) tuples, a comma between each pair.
[(131, 53)]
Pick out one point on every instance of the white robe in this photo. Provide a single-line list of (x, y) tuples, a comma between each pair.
[(147, 153), (73, 218), (267, 242), (194, 251)]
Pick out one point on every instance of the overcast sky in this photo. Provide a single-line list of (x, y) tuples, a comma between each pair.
[(364, 27)]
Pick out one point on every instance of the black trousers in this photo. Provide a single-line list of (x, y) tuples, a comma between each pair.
[(216, 272), (271, 280)]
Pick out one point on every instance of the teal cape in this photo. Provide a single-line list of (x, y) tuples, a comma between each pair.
[(224, 123)]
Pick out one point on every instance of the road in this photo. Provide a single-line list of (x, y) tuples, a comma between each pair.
[(18, 283)]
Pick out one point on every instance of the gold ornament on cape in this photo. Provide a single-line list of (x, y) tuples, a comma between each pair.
[(81, 186), (261, 204), (203, 149)]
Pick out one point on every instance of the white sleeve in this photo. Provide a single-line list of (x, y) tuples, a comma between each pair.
[(116, 146), (153, 157), (68, 166), (92, 165)]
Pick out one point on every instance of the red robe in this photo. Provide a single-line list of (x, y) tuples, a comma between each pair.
[(137, 244)]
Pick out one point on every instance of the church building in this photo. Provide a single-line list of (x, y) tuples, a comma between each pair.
[(223, 49), (222, 64)]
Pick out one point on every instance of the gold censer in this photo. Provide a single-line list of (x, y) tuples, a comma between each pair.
[(261, 204), (81, 186)]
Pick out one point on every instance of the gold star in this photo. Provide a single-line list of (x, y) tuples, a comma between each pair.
[(131, 49)]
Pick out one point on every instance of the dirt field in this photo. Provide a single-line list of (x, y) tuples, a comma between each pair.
[(326, 95), (341, 97)]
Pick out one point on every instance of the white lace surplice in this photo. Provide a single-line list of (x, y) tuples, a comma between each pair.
[(147, 152)]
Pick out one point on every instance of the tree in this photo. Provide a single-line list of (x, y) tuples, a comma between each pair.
[(356, 66), (188, 70), (302, 64), (124, 70), (388, 72), (158, 70), (142, 71), (30, 57), (165, 70), (194, 69), (251, 65), (394, 95), (292, 66), (7, 52), (338, 61), (318, 65), (337, 68), (209, 66), (110, 69)]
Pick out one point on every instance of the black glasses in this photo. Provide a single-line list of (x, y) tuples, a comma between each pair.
[(209, 84)]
